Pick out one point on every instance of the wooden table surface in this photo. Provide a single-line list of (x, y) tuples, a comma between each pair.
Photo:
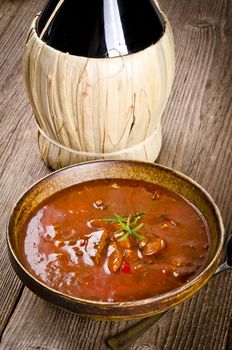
[(197, 127)]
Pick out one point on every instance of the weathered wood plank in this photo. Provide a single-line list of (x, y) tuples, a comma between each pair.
[(197, 141), (19, 158), (55, 329), (229, 339)]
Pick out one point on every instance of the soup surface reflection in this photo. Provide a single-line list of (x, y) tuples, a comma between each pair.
[(115, 240)]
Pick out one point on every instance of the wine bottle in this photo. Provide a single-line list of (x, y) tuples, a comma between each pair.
[(100, 28)]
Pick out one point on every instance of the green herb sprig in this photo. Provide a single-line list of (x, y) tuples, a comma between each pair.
[(127, 225)]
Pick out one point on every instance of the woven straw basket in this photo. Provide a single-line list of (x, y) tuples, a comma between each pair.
[(94, 108)]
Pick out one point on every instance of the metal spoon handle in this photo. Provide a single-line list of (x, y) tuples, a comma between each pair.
[(122, 340), (228, 263), (222, 267)]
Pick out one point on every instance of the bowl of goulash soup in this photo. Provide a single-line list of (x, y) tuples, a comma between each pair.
[(115, 239)]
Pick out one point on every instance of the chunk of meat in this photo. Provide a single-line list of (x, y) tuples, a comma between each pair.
[(101, 246), (101, 224), (115, 259), (154, 247), (142, 243), (184, 271), (125, 243), (182, 267), (179, 261), (99, 204), (96, 223)]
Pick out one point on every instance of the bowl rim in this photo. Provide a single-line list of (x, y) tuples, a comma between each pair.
[(34, 25), (118, 304)]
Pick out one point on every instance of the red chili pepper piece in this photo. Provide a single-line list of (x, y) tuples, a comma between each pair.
[(82, 243), (126, 267)]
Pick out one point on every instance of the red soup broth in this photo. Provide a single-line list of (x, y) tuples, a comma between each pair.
[(69, 246)]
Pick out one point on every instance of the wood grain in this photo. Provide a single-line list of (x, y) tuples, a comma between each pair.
[(197, 141), (20, 161)]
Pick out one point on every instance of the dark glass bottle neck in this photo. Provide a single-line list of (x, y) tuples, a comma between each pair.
[(101, 28)]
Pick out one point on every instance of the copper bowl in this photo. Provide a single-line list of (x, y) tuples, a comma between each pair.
[(154, 173)]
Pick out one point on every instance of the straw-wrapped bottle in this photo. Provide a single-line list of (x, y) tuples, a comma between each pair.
[(98, 75)]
